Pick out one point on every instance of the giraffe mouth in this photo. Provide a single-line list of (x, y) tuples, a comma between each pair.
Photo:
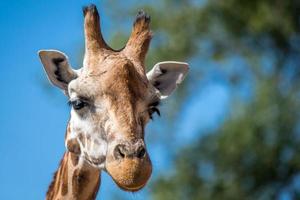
[(130, 174), (131, 189)]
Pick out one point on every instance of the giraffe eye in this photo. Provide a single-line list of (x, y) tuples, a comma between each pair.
[(78, 104)]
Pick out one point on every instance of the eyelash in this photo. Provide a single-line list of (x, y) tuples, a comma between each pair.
[(153, 110), (77, 104)]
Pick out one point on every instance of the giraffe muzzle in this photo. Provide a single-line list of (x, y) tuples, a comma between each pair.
[(129, 165)]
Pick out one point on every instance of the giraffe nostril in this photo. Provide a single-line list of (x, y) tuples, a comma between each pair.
[(141, 152), (119, 151)]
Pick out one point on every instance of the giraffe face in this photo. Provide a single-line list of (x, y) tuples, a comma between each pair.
[(110, 109), (112, 100)]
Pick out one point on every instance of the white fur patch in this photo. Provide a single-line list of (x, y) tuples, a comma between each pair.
[(95, 145)]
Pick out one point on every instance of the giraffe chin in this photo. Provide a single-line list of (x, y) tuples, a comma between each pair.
[(130, 174)]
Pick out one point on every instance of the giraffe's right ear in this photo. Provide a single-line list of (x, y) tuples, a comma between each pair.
[(57, 67)]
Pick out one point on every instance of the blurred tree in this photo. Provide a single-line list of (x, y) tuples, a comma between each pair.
[(254, 154)]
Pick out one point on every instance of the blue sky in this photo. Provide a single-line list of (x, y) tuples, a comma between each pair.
[(34, 116)]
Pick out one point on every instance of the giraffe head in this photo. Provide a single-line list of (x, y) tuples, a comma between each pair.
[(112, 99)]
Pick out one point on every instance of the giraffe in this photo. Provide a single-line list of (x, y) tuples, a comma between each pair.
[(112, 99)]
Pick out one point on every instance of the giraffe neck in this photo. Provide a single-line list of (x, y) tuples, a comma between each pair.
[(74, 179)]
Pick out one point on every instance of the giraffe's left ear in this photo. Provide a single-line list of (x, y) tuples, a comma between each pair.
[(57, 67), (165, 76)]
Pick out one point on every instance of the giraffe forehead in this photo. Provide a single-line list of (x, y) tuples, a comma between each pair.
[(119, 78), (85, 86)]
